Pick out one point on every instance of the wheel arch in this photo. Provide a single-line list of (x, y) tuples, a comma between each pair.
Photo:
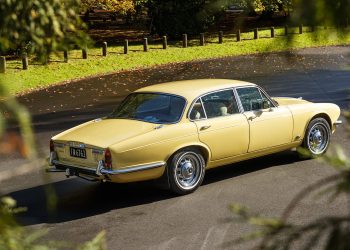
[(318, 115), (321, 115), (201, 147)]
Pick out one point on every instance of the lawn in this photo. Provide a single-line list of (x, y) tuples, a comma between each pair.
[(57, 71)]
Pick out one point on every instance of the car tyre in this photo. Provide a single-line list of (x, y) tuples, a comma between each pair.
[(316, 139), (186, 170)]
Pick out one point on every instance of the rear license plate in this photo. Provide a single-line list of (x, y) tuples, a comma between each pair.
[(77, 152)]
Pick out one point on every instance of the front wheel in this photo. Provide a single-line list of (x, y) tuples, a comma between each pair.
[(186, 171), (317, 138)]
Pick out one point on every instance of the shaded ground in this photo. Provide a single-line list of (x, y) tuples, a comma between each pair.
[(139, 216)]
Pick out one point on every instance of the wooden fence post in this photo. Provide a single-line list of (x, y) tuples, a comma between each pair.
[(126, 46), (165, 42), (238, 35), (145, 44), (286, 30), (221, 37), (84, 53), (300, 29), (184, 41), (25, 60), (201, 40), (65, 56), (2, 64), (272, 32), (256, 33), (104, 49)]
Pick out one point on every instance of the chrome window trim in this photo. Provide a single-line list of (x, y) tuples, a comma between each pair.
[(260, 90), (208, 93), (240, 106), (205, 112)]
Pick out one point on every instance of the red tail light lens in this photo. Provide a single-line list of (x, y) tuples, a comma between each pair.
[(52, 147), (108, 159)]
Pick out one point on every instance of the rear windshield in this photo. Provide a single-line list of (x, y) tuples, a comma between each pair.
[(150, 107)]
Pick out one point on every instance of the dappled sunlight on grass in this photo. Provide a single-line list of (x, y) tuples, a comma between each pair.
[(39, 75)]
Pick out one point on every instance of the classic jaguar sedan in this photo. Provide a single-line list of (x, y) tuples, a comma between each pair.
[(175, 131)]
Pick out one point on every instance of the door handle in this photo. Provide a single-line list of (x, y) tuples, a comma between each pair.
[(205, 127), (251, 118)]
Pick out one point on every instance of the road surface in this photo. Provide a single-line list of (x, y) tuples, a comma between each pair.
[(140, 216)]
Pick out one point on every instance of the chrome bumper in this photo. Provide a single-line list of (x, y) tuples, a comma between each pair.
[(338, 122), (100, 170)]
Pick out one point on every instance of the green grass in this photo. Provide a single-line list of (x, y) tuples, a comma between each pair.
[(57, 71)]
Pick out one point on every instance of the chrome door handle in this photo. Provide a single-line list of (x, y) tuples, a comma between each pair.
[(205, 127), (251, 118)]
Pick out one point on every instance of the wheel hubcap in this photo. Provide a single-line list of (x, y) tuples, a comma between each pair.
[(188, 170), (318, 138)]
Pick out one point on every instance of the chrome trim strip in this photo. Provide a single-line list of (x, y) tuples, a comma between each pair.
[(133, 169), (338, 122), (102, 171)]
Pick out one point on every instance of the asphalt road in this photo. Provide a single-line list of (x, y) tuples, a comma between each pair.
[(140, 216)]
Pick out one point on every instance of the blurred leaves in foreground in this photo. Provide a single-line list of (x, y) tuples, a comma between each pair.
[(328, 232), (15, 237), (39, 27)]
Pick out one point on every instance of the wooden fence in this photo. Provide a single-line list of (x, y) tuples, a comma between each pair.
[(185, 44)]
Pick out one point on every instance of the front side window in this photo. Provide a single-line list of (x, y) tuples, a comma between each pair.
[(150, 107), (251, 98), (221, 103)]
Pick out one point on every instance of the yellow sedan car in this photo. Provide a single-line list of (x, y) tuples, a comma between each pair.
[(176, 131)]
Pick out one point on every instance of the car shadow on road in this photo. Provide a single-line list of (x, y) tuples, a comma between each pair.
[(78, 199)]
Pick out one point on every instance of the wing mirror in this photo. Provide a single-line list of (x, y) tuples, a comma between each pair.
[(261, 104), (266, 104)]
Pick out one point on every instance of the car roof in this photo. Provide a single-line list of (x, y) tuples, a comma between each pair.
[(191, 89)]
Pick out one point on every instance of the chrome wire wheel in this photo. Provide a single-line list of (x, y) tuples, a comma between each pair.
[(318, 137), (188, 170)]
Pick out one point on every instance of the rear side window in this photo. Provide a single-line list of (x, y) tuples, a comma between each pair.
[(221, 103)]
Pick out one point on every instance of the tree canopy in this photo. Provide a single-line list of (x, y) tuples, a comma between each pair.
[(119, 6)]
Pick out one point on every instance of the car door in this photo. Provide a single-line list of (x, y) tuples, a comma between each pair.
[(270, 126), (220, 125)]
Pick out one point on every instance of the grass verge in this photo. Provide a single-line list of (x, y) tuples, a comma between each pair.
[(56, 71)]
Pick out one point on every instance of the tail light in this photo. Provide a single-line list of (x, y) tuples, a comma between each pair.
[(108, 159), (52, 147)]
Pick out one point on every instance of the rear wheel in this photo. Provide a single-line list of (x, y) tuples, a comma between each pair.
[(186, 170), (317, 138)]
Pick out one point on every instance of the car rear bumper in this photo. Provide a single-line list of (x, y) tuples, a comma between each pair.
[(99, 172)]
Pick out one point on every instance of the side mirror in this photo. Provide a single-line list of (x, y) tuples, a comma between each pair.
[(266, 104), (260, 104)]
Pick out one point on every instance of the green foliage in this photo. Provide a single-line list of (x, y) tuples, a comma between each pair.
[(42, 76), (39, 26), (15, 237), (120, 6), (322, 12), (333, 231)]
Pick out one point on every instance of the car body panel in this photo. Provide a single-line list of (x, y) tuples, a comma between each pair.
[(134, 144), (225, 136), (269, 128)]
